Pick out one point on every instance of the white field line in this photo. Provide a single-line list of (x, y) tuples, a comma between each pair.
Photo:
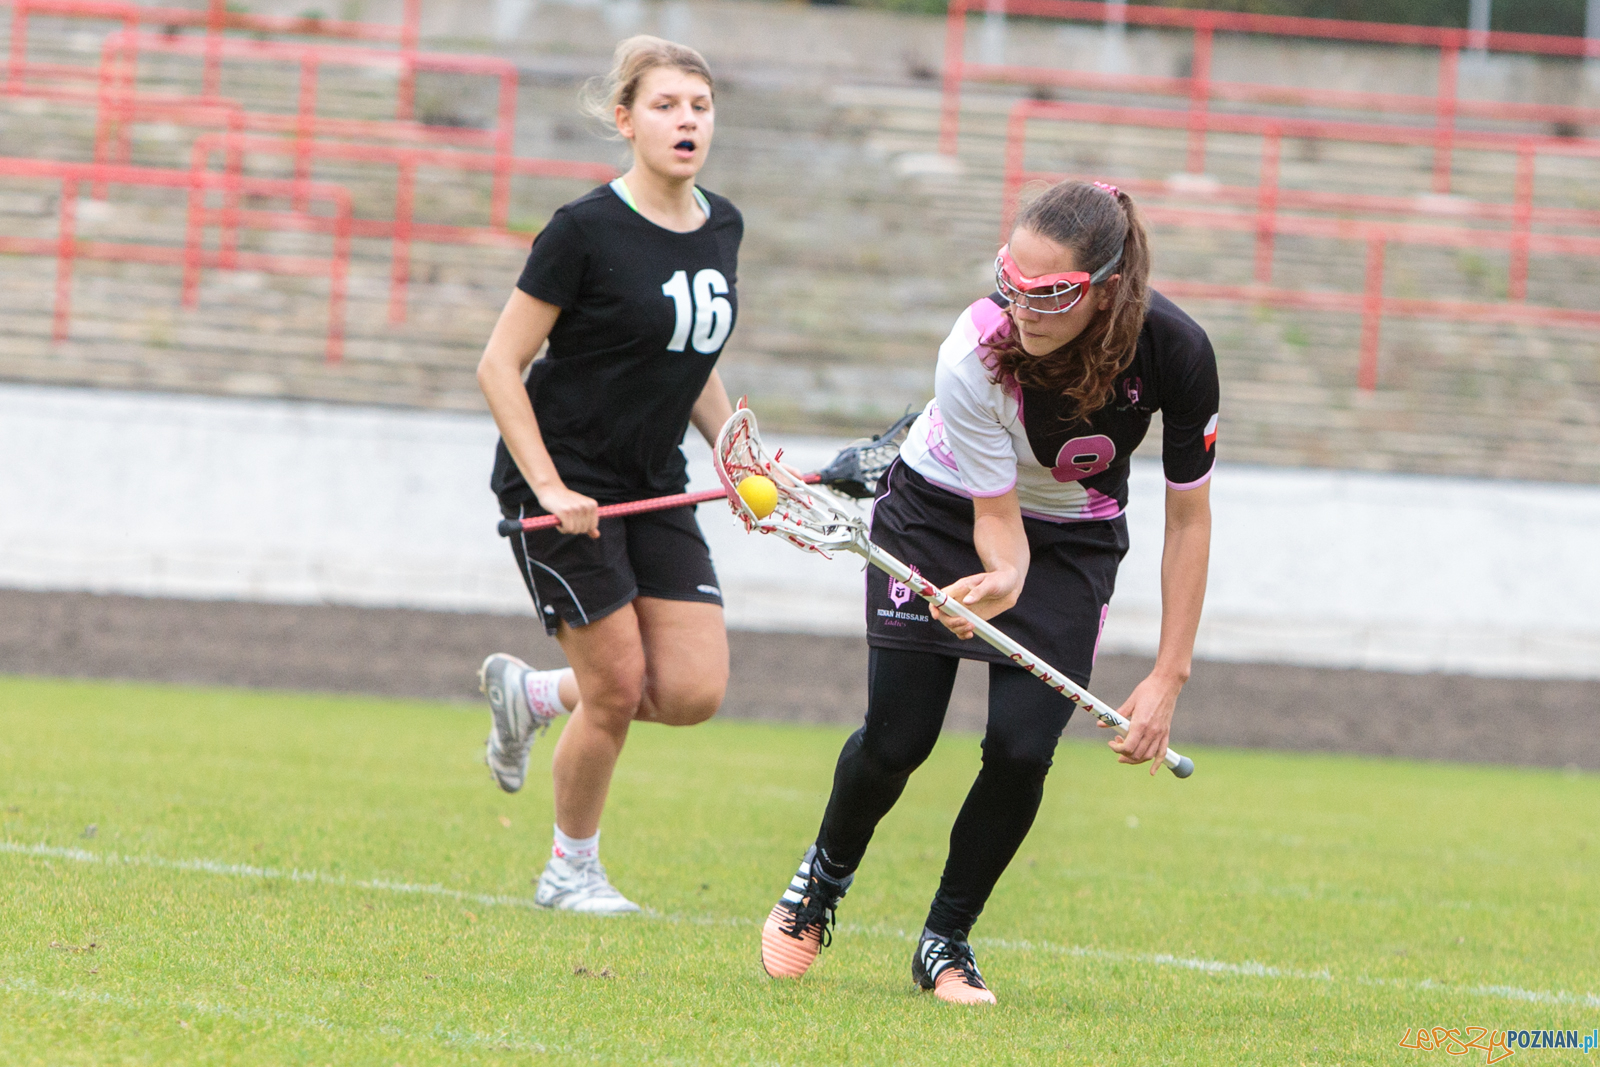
[(1261, 970), (1248, 969), (241, 870)]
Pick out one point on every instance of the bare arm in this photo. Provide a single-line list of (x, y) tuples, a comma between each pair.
[(1185, 556), (712, 411), (524, 324), (1002, 545)]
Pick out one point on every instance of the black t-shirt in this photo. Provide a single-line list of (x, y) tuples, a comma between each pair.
[(645, 313)]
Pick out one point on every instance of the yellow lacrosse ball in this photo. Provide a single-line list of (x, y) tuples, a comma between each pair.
[(760, 494)]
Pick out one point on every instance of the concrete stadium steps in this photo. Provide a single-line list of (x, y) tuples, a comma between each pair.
[(861, 245), (369, 373), (66, 132), (1453, 397), (227, 364), (347, 91), (907, 119), (253, 332)]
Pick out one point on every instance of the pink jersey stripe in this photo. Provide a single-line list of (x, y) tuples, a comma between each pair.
[(988, 317), (989, 496), (934, 439), (1081, 516), (1197, 483), (1101, 506), (967, 493)]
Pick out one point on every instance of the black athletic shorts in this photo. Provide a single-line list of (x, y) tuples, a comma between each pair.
[(1064, 600), (582, 579)]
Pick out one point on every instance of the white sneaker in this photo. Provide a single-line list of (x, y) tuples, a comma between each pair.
[(514, 723), (581, 886)]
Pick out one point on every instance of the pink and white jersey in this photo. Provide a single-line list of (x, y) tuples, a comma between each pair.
[(979, 438)]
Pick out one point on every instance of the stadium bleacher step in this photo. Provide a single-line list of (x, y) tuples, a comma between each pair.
[(861, 245)]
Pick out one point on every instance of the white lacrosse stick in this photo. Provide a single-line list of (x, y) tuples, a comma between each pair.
[(813, 518)]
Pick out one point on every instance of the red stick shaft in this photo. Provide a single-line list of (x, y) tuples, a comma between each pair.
[(509, 527)]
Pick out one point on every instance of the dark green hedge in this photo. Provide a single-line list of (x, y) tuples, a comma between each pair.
[(1518, 16)]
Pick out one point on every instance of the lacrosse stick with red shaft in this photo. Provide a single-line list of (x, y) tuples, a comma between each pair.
[(812, 518), (854, 472)]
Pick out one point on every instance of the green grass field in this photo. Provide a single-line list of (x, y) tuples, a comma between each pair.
[(277, 878)]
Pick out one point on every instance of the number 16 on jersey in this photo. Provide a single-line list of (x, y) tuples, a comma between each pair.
[(701, 305)]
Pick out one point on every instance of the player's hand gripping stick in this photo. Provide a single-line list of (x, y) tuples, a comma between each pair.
[(813, 519), (854, 472), (512, 527), (1182, 766)]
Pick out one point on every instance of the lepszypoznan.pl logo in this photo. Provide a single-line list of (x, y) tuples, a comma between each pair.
[(1495, 1045)]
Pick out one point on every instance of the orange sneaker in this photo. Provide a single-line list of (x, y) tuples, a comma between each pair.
[(801, 923), (947, 967)]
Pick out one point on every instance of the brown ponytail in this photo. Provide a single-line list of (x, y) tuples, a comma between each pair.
[(1094, 221)]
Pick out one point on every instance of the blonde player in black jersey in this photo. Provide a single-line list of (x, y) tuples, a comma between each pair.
[(633, 286)]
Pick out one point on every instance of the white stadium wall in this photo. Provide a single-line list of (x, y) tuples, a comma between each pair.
[(187, 496)]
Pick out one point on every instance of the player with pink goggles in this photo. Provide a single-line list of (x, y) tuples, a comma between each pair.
[(1050, 294)]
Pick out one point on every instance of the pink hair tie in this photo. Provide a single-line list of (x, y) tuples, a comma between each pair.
[(1112, 189)]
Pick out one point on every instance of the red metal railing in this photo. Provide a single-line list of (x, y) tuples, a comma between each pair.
[(402, 229), (1266, 220), (1272, 130), (66, 247), (215, 19), (119, 103), (140, 107), (1200, 89), (118, 69)]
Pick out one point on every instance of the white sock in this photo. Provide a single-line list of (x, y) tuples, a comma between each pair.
[(544, 693), (576, 849)]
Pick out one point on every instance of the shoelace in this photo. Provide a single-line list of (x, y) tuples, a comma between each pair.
[(595, 880), (515, 749), (538, 731), (816, 910), (957, 954)]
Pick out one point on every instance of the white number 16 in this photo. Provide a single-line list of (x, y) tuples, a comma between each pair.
[(710, 312)]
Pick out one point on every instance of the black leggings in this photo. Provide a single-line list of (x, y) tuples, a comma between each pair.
[(907, 696)]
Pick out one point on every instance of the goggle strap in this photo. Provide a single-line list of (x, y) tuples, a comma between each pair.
[(1105, 272)]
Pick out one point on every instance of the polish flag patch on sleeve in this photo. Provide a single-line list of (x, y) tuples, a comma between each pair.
[(1211, 433)]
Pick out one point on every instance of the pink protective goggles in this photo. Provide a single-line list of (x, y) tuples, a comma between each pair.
[(1049, 294)]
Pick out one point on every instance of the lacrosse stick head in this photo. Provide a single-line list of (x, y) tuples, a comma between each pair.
[(855, 470), (806, 516)]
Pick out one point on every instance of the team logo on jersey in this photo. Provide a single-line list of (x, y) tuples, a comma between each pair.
[(1211, 433), (900, 595), (1133, 387)]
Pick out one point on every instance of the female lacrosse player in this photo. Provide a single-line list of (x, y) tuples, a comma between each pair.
[(633, 287), (1009, 494)]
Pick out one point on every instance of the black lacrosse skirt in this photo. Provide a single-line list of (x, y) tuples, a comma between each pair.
[(1064, 601)]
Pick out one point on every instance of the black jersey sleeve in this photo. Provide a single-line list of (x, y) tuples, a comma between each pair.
[(556, 264), (1189, 414)]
